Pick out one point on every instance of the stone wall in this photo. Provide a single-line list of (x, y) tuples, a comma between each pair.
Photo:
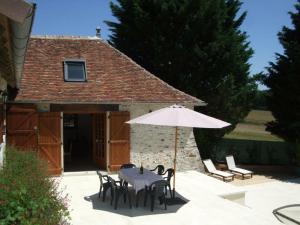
[(153, 145)]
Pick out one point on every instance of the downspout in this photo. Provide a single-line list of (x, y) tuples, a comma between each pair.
[(20, 38)]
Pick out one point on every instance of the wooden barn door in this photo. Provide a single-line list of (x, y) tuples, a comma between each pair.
[(50, 140), (22, 127), (29, 130), (99, 140), (119, 140)]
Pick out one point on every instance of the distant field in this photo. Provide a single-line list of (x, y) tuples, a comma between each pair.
[(253, 127), (259, 117)]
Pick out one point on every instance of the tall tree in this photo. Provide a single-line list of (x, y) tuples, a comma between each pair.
[(194, 45), (283, 80)]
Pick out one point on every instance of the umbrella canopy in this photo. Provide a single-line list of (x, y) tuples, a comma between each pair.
[(178, 116)]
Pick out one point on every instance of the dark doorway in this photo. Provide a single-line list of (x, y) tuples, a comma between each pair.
[(78, 143)]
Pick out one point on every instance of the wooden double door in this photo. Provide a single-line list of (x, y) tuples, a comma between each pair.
[(111, 138), (28, 129), (39, 132)]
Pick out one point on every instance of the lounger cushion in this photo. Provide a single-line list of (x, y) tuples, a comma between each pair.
[(232, 167), (209, 165), (222, 173), (230, 162), (242, 171)]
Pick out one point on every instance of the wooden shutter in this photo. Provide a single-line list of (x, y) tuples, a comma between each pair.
[(99, 139), (22, 125), (50, 140), (119, 140)]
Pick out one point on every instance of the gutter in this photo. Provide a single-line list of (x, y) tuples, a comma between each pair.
[(105, 102), (20, 37)]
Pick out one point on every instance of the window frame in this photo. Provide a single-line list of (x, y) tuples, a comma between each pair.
[(66, 74)]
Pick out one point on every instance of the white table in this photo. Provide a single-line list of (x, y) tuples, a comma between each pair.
[(137, 180)]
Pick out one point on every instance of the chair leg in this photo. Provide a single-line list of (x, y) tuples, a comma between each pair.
[(112, 197), (169, 186), (165, 202), (104, 193), (145, 198), (116, 199), (152, 202), (100, 189), (129, 199), (124, 196), (137, 198)]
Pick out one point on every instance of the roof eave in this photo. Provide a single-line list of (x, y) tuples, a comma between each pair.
[(20, 37), (198, 103)]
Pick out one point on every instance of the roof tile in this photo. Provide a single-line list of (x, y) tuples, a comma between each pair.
[(112, 77)]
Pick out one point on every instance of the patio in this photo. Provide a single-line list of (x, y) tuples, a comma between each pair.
[(209, 201)]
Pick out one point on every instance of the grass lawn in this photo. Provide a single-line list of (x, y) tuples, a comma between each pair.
[(253, 127)]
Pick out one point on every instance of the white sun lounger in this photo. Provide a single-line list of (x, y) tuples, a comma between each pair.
[(213, 171), (232, 167)]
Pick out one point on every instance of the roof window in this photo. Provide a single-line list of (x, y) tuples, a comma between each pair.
[(75, 70)]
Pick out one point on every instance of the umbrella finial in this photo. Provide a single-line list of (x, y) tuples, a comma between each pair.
[(177, 106)]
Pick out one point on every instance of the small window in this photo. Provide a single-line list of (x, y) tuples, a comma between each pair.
[(75, 70)]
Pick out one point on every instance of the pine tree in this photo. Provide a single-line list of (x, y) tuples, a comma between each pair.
[(195, 46), (284, 80)]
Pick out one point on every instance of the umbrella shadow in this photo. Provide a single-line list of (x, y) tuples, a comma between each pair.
[(141, 210)]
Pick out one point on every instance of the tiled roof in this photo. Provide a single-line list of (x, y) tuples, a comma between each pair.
[(112, 77)]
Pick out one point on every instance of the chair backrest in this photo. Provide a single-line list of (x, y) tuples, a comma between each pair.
[(160, 169), (112, 183), (209, 165), (170, 173), (230, 162), (158, 187), (100, 176), (127, 166)]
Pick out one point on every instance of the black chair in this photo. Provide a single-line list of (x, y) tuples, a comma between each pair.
[(170, 174), (156, 191), (137, 196), (117, 190), (127, 166), (104, 185), (160, 169)]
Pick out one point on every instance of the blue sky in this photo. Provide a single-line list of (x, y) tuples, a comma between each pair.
[(78, 17)]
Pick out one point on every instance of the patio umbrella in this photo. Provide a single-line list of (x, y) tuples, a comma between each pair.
[(178, 116)]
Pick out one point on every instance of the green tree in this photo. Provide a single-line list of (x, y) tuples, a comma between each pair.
[(283, 79), (260, 101), (194, 45)]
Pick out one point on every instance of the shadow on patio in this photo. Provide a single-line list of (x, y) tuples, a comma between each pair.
[(123, 208)]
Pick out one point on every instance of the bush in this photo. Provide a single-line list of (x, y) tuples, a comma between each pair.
[(28, 195), (255, 152)]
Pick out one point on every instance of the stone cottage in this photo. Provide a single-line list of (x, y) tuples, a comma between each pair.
[(76, 94)]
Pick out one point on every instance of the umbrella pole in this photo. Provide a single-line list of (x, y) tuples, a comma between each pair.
[(175, 157)]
